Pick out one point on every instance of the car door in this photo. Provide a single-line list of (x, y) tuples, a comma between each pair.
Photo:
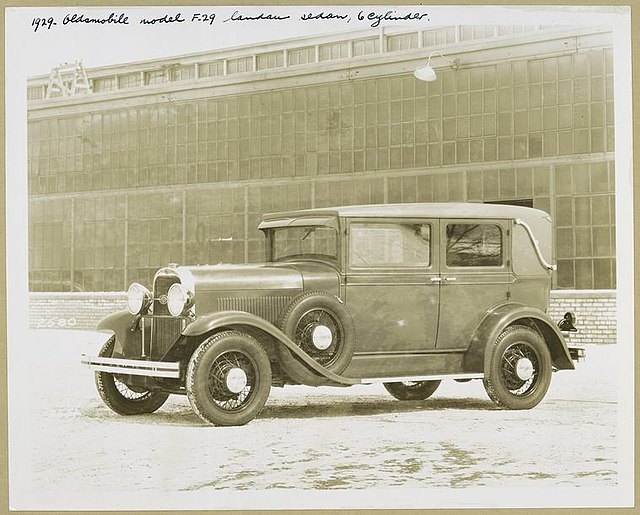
[(474, 261), (392, 285)]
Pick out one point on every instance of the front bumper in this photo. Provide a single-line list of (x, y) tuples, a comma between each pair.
[(135, 367), (577, 353)]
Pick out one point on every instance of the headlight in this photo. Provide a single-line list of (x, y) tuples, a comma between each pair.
[(138, 298), (179, 299)]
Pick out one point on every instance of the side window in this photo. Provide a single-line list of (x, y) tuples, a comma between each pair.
[(390, 245), (474, 245)]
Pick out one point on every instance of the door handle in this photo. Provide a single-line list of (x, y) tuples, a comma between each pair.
[(436, 279), (450, 278)]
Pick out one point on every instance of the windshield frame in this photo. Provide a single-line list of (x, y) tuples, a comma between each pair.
[(299, 223)]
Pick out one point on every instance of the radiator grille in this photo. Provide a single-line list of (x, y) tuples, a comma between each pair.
[(268, 308), (164, 331)]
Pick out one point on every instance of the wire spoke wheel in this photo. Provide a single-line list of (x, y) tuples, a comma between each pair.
[(520, 369), (320, 334), (232, 379), (412, 390), (228, 379), (322, 327), (127, 392), (122, 398)]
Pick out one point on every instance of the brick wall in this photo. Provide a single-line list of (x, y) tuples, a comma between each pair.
[(595, 311), (84, 310)]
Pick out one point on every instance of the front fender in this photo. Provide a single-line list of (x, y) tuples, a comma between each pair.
[(242, 319), (128, 334), (478, 355)]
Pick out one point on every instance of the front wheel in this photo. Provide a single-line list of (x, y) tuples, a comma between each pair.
[(120, 397), (412, 390), (228, 379), (520, 369)]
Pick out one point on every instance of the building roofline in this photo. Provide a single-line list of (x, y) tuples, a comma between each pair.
[(230, 52), (559, 40)]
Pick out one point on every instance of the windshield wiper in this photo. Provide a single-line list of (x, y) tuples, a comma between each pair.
[(306, 234)]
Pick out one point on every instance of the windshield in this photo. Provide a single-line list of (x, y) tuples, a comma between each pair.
[(305, 242)]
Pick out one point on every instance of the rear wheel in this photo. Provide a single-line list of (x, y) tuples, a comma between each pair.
[(412, 390), (520, 369), (121, 398), (228, 379)]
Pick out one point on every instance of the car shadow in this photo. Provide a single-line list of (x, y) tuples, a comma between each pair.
[(370, 407), (176, 414)]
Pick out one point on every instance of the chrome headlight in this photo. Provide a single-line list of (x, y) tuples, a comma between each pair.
[(138, 298), (179, 299)]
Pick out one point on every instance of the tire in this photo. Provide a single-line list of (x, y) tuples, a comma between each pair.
[(228, 379), (520, 369), (412, 390), (322, 327), (121, 398)]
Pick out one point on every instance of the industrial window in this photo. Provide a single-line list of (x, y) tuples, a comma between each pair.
[(179, 72), (366, 46), (331, 51), (240, 65), (155, 77), (304, 55), (390, 245), (104, 84), (442, 36), (402, 42), (211, 69), (35, 93), (270, 60), (474, 245), (130, 80)]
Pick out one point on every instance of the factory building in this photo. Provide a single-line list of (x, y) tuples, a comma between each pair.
[(175, 160)]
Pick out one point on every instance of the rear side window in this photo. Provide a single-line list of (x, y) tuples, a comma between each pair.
[(390, 245), (474, 245)]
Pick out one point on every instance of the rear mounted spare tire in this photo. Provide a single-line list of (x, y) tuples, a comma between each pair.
[(320, 324)]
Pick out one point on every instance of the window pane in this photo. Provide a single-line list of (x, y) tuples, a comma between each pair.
[(382, 245), (474, 245), (301, 242)]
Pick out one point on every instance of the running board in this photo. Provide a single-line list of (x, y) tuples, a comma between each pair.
[(134, 367), (420, 378)]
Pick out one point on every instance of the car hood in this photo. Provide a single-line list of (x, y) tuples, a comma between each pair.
[(240, 277), (263, 276)]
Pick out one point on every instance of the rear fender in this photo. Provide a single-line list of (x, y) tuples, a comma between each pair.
[(128, 334), (295, 362), (478, 355)]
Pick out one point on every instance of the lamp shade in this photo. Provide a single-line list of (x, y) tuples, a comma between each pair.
[(425, 73)]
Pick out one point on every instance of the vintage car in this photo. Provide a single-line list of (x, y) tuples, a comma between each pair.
[(405, 295)]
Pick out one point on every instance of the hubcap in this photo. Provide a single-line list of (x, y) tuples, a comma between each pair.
[(321, 337), (524, 369), (236, 380)]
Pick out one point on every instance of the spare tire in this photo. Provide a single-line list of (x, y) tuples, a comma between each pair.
[(320, 324)]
